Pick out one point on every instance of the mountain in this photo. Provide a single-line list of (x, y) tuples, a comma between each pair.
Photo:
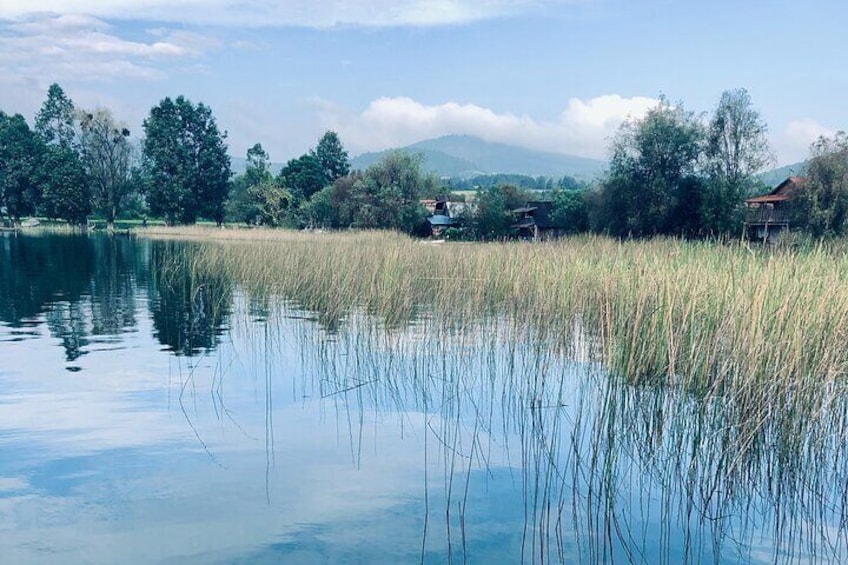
[(239, 164), (467, 156), (776, 176)]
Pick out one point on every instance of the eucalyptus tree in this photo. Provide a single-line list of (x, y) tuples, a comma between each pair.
[(108, 156), (65, 189), (737, 149), (185, 161)]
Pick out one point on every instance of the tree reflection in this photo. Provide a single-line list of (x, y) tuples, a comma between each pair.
[(189, 310), (83, 285)]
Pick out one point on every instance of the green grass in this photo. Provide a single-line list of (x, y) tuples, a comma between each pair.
[(698, 315)]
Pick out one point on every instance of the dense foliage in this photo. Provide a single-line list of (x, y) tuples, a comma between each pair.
[(822, 206), (186, 162), (670, 174)]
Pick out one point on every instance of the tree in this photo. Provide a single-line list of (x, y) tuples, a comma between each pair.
[(65, 187), (258, 169), (20, 160), (273, 201), (493, 216), (66, 190), (570, 209), (737, 148), (108, 159), (332, 156), (304, 176), (822, 206), (653, 186), (54, 122), (186, 162), (396, 184)]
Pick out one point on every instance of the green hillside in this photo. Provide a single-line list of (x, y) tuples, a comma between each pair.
[(466, 156), (780, 174)]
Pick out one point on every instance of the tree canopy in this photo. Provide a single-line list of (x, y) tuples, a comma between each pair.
[(108, 159), (653, 186), (822, 205), (65, 187), (186, 162), (332, 156), (20, 166)]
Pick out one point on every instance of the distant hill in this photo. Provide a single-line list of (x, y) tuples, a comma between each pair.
[(239, 164), (467, 156), (776, 176)]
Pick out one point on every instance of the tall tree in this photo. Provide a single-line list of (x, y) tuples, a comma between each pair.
[(54, 122), (108, 158), (65, 188), (20, 160), (654, 186), (333, 157), (258, 167), (186, 162), (822, 205), (737, 148)]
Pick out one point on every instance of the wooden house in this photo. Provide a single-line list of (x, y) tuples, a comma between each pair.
[(767, 215), (439, 217), (535, 221)]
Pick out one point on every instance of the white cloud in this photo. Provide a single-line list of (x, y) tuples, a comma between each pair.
[(308, 13), (793, 144), (583, 128), (75, 47)]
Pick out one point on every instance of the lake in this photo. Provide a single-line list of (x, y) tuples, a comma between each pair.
[(149, 417)]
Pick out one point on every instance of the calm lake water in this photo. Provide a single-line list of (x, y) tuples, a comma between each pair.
[(160, 419)]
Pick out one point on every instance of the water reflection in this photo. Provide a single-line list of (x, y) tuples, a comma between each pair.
[(265, 433), (188, 311), (88, 289)]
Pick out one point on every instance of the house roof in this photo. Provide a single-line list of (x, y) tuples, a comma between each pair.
[(782, 192), (440, 220)]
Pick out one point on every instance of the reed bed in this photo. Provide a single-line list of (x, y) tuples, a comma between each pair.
[(725, 366), (704, 317), (763, 331)]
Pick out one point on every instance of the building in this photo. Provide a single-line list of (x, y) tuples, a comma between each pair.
[(439, 218), (767, 215), (535, 221)]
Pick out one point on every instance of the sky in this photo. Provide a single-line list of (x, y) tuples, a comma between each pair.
[(554, 75)]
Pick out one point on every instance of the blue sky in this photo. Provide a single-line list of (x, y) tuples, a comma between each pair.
[(558, 75)]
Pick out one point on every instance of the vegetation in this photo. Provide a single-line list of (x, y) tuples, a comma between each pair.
[(822, 206), (20, 154), (705, 318), (65, 190), (108, 157), (671, 176), (671, 173), (725, 371), (185, 161)]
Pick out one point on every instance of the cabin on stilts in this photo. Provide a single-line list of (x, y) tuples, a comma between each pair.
[(767, 215)]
